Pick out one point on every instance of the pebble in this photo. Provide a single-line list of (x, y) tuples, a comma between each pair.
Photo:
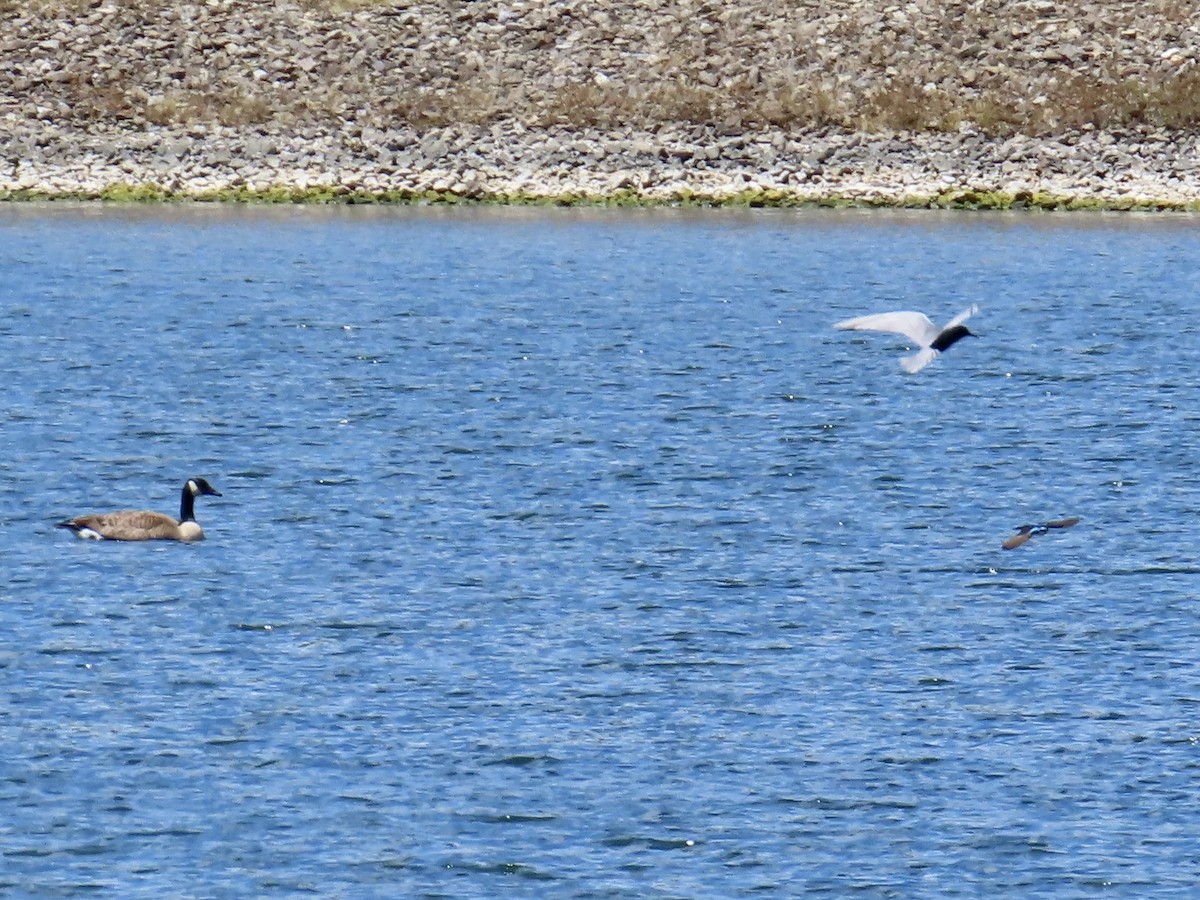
[(662, 98)]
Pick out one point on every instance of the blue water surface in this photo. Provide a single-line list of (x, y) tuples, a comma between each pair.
[(573, 554)]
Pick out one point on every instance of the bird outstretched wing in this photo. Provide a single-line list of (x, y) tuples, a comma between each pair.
[(913, 325), (963, 316), (919, 360)]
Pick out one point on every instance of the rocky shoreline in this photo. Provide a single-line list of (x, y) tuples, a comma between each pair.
[(570, 102), (568, 165)]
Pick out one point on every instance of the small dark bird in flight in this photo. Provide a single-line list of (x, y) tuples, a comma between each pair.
[(917, 328), (1025, 532)]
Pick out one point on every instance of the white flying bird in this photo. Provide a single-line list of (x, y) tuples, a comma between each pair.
[(917, 328)]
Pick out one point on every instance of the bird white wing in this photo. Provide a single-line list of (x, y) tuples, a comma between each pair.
[(919, 360), (963, 316), (913, 325)]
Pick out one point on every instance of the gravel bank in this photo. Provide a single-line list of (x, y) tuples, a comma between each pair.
[(969, 102)]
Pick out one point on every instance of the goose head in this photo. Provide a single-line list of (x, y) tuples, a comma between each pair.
[(198, 487)]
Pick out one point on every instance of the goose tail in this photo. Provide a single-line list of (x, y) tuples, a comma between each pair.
[(81, 530)]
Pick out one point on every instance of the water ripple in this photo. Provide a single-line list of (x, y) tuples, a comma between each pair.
[(572, 553)]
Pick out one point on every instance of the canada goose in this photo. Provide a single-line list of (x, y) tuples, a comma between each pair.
[(144, 525), (917, 328), (1025, 532)]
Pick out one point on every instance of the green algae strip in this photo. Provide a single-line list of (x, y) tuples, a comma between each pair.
[(754, 199)]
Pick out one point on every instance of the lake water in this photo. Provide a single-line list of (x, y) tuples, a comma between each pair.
[(573, 554)]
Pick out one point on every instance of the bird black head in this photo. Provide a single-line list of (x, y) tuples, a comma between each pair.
[(951, 336)]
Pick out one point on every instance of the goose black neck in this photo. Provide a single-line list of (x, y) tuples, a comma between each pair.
[(187, 506)]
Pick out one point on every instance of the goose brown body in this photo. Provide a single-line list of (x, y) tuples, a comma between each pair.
[(145, 525)]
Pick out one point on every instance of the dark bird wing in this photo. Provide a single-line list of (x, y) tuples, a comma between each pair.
[(1024, 533), (1063, 523)]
